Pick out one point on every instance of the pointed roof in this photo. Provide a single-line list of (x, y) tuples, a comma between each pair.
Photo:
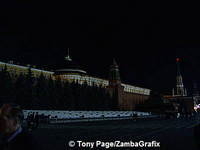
[(178, 66), (114, 62), (114, 71)]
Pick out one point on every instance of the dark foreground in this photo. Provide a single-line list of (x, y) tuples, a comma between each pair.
[(173, 134)]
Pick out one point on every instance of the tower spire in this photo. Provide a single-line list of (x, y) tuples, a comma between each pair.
[(178, 66), (68, 58), (114, 62), (114, 75), (180, 90)]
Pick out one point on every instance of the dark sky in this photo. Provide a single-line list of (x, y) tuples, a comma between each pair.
[(145, 38)]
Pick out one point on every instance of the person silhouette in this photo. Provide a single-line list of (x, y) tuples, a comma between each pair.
[(13, 135)]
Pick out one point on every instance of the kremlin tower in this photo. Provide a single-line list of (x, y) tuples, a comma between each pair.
[(115, 88), (180, 100), (180, 90)]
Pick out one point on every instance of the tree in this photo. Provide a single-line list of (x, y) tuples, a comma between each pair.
[(45, 93), (29, 81), (20, 94), (58, 92), (6, 86), (41, 92), (50, 94)]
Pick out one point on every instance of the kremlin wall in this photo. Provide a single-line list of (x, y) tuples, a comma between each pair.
[(126, 95)]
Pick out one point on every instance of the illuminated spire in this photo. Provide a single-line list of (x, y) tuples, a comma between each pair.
[(114, 62), (114, 72), (180, 90), (68, 58), (178, 67)]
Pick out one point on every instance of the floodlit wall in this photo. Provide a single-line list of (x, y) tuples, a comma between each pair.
[(104, 83), (18, 69), (135, 89), (81, 79)]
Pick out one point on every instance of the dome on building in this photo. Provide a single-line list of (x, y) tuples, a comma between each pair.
[(70, 67)]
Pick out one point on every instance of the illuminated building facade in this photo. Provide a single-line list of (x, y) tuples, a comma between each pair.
[(127, 95)]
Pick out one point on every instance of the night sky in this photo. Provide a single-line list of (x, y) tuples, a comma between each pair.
[(144, 38)]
